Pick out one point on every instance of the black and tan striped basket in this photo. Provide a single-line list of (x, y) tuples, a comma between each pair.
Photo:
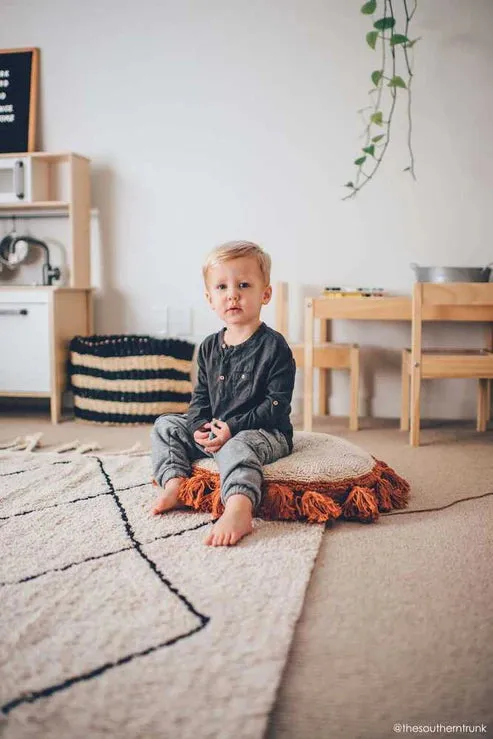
[(129, 379)]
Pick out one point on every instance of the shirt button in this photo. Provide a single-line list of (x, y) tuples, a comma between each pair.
[(224, 346), (221, 377), (243, 377), (275, 402)]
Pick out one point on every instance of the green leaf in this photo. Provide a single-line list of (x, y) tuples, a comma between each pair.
[(378, 138), (371, 38), (383, 23), (369, 150), (397, 82), (410, 44), (398, 38), (349, 184), (376, 76), (406, 169), (377, 118), (369, 7), (360, 161)]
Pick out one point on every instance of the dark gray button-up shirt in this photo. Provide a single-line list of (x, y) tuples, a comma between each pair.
[(249, 386)]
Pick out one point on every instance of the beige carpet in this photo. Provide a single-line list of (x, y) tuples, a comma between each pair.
[(117, 623), (396, 625), (397, 629)]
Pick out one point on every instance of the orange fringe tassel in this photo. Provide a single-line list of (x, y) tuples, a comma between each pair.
[(361, 504), (278, 503), (317, 507), (362, 498), (195, 491), (398, 487)]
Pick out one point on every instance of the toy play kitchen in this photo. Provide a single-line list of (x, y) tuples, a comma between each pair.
[(39, 315)]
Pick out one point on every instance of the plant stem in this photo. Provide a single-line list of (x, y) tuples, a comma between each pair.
[(388, 13), (409, 83), (378, 160)]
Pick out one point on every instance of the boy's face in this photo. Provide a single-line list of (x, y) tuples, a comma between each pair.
[(236, 291)]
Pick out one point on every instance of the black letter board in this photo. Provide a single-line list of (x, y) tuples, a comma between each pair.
[(18, 99)]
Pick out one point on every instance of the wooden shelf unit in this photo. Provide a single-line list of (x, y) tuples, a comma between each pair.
[(66, 186)]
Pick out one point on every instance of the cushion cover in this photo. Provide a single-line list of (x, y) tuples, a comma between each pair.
[(324, 478)]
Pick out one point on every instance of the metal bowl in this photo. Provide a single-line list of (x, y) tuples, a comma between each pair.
[(452, 274)]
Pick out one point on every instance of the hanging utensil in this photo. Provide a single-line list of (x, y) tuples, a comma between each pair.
[(5, 245)]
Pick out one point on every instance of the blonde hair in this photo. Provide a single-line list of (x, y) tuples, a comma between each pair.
[(234, 250)]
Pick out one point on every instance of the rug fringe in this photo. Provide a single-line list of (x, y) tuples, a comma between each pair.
[(22, 443), (32, 441), (135, 450), (12, 444), (90, 446), (68, 447), (76, 447)]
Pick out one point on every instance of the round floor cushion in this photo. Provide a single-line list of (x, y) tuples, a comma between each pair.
[(324, 478)]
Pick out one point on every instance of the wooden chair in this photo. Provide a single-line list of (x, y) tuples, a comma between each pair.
[(324, 356), (439, 301)]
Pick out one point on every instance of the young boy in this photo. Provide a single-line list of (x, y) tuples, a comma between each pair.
[(239, 412)]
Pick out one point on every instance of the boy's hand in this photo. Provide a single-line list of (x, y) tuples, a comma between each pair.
[(202, 433), (222, 434)]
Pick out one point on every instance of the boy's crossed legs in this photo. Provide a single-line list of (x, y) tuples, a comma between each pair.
[(240, 463)]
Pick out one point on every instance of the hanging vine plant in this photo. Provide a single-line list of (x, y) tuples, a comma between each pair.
[(391, 80)]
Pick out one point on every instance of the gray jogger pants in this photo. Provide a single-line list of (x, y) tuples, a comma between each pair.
[(240, 460)]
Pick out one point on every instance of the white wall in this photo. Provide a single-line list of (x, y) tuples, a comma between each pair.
[(208, 120)]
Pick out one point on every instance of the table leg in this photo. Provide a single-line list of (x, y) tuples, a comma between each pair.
[(489, 345), (308, 367), (325, 374), (354, 383), (405, 391), (323, 400), (482, 413), (56, 406)]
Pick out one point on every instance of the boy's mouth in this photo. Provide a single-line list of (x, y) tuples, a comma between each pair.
[(234, 309)]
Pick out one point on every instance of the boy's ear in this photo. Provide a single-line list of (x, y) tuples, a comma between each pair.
[(208, 297), (267, 295)]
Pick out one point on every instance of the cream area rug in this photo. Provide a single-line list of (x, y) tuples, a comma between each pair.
[(115, 623)]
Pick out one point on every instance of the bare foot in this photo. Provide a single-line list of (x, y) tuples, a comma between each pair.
[(169, 498), (234, 524)]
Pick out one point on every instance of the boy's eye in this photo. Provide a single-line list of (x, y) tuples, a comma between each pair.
[(222, 286), (244, 284)]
